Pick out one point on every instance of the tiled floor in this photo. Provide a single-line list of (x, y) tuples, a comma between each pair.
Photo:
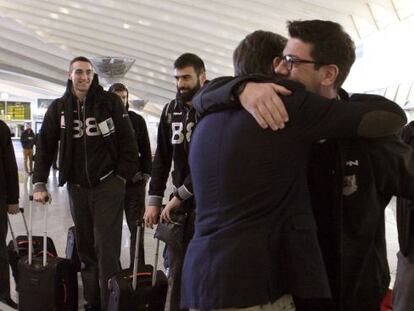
[(59, 220)]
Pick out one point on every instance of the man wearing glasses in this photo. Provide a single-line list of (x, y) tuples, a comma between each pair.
[(350, 181)]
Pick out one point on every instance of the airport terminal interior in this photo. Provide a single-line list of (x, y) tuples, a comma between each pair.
[(135, 42)]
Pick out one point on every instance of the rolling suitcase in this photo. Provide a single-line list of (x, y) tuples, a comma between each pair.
[(23, 240), (143, 288), (18, 247), (46, 283), (386, 304), (71, 250)]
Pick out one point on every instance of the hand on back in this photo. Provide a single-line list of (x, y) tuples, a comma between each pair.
[(262, 101)]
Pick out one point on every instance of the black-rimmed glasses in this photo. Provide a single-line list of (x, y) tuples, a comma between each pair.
[(289, 60)]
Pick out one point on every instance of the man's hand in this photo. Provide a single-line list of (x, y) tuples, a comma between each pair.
[(145, 178), (151, 216), (13, 209), (41, 197), (262, 101), (174, 203)]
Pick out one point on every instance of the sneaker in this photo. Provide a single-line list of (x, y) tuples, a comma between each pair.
[(9, 302)]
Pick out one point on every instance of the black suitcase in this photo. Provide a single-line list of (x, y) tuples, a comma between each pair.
[(139, 288), (71, 250), (46, 283), (53, 287), (18, 248)]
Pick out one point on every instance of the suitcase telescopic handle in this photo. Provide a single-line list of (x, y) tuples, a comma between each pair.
[(45, 236), (30, 257), (30, 250), (154, 274), (140, 230), (136, 255), (24, 221)]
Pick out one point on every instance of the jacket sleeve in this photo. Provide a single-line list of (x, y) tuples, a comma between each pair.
[(317, 117), (47, 143), (127, 147), (9, 164), (162, 161), (144, 146), (185, 191), (393, 164), (218, 95), (223, 93)]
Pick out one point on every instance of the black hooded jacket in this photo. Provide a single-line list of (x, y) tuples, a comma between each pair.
[(9, 183), (96, 138), (175, 129)]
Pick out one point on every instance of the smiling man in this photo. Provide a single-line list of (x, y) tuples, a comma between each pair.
[(176, 126), (97, 154), (351, 181)]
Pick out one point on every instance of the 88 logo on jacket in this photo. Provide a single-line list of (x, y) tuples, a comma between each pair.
[(178, 134), (90, 128)]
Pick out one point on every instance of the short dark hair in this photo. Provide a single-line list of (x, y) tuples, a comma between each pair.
[(256, 52), (330, 44), (79, 59), (189, 59), (117, 87)]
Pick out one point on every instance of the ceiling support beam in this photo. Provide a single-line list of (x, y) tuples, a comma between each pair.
[(394, 7), (371, 11), (355, 26)]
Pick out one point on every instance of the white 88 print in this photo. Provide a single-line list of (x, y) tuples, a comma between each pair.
[(90, 128), (177, 132)]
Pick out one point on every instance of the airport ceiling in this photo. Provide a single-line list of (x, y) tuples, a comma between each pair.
[(39, 37)]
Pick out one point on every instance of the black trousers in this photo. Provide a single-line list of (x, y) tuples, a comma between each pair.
[(176, 261), (4, 260), (314, 304), (98, 222), (134, 207)]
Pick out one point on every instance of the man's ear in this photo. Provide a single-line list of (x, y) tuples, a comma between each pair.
[(275, 63), (69, 77), (203, 78), (329, 74)]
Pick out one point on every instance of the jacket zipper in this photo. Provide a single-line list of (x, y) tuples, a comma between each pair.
[(84, 141), (341, 151), (186, 142)]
